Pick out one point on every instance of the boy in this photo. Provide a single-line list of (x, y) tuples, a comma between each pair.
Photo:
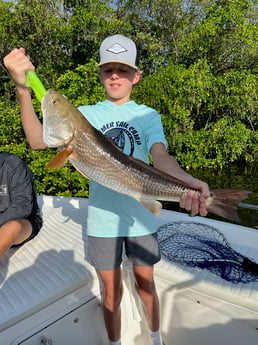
[(114, 219), (20, 218)]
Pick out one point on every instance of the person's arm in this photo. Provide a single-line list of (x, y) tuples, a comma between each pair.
[(190, 201), (17, 63)]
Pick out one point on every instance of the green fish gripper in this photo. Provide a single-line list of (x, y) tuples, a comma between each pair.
[(35, 84)]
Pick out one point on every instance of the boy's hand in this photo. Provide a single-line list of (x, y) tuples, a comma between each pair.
[(17, 63), (194, 203)]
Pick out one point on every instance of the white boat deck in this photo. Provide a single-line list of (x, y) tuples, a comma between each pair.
[(49, 267), (46, 286)]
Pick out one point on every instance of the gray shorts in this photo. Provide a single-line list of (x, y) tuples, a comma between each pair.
[(106, 253)]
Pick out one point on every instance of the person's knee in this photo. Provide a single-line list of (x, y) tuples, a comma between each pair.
[(13, 229), (145, 289), (20, 230), (112, 300)]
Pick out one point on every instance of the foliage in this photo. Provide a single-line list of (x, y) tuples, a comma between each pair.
[(179, 94), (199, 59), (204, 131), (65, 181), (216, 145), (226, 35), (82, 85)]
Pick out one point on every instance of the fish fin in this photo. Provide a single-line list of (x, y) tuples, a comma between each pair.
[(153, 206), (59, 160), (225, 201)]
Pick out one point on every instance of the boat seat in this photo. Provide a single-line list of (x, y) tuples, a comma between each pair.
[(49, 266)]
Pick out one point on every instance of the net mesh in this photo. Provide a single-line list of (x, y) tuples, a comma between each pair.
[(204, 247)]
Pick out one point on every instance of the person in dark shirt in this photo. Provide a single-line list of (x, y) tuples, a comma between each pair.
[(20, 218)]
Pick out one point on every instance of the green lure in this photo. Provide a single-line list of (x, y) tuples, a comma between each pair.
[(35, 84)]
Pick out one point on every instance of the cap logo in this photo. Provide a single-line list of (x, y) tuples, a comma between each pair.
[(117, 49)]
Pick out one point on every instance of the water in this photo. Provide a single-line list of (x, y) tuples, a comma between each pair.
[(234, 176)]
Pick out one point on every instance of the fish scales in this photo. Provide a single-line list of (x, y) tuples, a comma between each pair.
[(109, 166), (112, 170)]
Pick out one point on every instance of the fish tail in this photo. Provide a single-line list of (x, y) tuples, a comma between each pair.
[(225, 202)]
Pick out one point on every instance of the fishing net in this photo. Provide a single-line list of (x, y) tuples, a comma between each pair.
[(201, 246)]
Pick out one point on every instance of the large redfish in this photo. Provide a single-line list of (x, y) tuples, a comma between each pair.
[(96, 157)]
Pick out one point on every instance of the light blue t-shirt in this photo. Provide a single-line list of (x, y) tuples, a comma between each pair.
[(134, 128)]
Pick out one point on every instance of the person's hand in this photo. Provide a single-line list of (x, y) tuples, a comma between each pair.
[(17, 63), (194, 203)]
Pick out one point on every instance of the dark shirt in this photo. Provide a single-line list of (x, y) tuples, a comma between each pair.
[(18, 195)]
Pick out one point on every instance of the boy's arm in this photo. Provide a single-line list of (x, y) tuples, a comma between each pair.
[(190, 201), (17, 63)]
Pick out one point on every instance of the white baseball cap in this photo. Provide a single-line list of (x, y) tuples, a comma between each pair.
[(118, 48)]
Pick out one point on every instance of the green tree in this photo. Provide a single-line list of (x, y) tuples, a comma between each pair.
[(226, 35), (199, 61)]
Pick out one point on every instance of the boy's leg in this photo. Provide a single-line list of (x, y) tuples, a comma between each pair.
[(112, 295), (145, 287), (14, 232), (105, 254)]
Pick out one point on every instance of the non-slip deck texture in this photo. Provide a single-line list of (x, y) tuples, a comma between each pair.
[(49, 266)]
